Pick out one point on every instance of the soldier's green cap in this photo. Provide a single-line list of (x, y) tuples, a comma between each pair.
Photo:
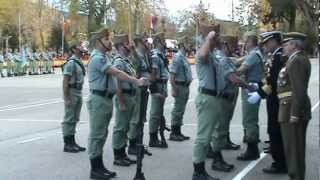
[(266, 36), (294, 36), (120, 38), (101, 33)]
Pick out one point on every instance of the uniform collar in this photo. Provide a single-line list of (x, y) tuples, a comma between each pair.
[(277, 50), (96, 51), (293, 55)]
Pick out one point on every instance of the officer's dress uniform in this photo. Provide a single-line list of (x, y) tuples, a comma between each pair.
[(182, 71), (72, 110), (123, 118), (1, 64), (142, 66), (100, 106), (294, 111), (269, 91), (157, 102), (250, 112)]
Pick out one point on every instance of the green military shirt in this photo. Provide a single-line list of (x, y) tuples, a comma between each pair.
[(255, 63), (181, 68), (125, 65), (224, 68), (98, 79), (162, 72), (1, 58), (74, 70), (142, 64), (206, 72)]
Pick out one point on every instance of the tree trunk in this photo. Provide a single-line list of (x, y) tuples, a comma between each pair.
[(91, 16)]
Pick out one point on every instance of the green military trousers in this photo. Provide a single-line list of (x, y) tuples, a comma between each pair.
[(122, 121), (72, 112), (250, 119), (32, 67), (209, 113), (18, 67), (294, 142), (156, 112), (100, 113), (141, 104), (180, 102), (10, 67), (221, 131)]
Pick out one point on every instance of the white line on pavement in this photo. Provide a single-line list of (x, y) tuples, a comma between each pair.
[(315, 106), (246, 170), (30, 140), (30, 103), (35, 120)]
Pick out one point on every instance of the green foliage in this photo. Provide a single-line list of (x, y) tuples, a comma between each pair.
[(55, 38)]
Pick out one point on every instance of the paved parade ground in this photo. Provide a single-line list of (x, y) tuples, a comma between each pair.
[(31, 110)]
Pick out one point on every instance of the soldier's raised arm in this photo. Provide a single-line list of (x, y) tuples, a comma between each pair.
[(207, 47)]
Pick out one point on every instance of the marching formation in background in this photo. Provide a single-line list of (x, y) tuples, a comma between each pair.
[(124, 74)]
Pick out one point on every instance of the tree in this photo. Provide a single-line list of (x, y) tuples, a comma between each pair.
[(55, 38), (248, 14)]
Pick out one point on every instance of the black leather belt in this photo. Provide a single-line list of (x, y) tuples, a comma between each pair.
[(186, 84), (131, 92), (76, 86), (162, 81), (102, 93), (215, 93)]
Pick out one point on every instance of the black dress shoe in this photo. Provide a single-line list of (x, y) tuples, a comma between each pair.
[(251, 153), (121, 162), (275, 169)]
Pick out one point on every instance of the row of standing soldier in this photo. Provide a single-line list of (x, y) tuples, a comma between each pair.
[(219, 79), (26, 62)]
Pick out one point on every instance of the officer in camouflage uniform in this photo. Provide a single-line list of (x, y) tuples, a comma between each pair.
[(159, 78), (1, 63), (272, 43), (142, 64), (295, 106), (253, 70), (73, 76), (101, 74), (180, 78), (125, 102)]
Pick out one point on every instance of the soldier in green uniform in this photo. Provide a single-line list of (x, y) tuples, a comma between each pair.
[(180, 78), (142, 64), (10, 63), (101, 74), (32, 63), (17, 62), (125, 101), (295, 106), (159, 79), (1, 63), (209, 103), (37, 56), (45, 61), (73, 77), (253, 69)]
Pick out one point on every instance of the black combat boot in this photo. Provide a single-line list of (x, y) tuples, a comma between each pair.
[(73, 141), (68, 145), (200, 172), (182, 135), (119, 159), (230, 145), (154, 141), (125, 156), (97, 170), (219, 164), (132, 149), (174, 135), (104, 169), (251, 153)]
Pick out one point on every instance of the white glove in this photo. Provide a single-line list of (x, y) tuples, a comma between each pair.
[(254, 97), (255, 86)]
